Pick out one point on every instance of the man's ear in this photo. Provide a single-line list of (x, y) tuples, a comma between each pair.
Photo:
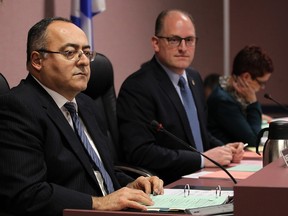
[(155, 43), (36, 60)]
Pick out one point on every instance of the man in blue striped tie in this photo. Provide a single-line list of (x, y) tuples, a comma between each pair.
[(53, 153)]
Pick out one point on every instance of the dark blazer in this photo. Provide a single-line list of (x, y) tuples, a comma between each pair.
[(44, 167), (229, 122), (147, 95)]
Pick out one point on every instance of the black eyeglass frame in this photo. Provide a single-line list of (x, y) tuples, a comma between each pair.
[(179, 40), (262, 84)]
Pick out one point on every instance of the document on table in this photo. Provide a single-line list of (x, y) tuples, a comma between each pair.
[(174, 199), (179, 202), (246, 168), (222, 175), (196, 175), (198, 192), (250, 153)]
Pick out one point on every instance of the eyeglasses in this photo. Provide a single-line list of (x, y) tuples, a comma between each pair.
[(262, 84), (175, 41), (73, 55)]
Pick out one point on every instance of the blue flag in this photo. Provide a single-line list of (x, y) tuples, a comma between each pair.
[(82, 12)]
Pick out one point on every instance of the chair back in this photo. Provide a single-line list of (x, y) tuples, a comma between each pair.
[(101, 88), (4, 85)]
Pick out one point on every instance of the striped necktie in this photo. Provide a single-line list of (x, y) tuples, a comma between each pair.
[(70, 106)]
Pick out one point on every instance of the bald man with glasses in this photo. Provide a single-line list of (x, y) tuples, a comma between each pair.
[(167, 90)]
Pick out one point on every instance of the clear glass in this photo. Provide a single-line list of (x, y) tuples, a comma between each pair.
[(73, 55)]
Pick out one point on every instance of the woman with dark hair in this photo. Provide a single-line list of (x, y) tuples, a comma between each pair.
[(234, 114)]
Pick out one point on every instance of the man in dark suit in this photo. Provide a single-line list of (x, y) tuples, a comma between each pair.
[(153, 93), (45, 167)]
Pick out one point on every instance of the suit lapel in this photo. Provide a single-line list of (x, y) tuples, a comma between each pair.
[(194, 86), (169, 89), (57, 117), (72, 139)]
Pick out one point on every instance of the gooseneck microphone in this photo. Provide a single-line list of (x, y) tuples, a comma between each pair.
[(159, 127), (268, 96)]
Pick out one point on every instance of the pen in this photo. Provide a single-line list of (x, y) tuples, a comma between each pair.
[(245, 145)]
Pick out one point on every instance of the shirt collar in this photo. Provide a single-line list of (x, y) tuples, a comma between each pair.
[(59, 99), (174, 77)]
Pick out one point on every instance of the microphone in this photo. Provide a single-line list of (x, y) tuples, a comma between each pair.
[(268, 96), (159, 127)]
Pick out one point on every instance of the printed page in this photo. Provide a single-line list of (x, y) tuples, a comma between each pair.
[(179, 202), (196, 192)]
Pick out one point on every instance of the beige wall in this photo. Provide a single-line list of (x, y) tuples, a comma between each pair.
[(264, 22), (124, 30)]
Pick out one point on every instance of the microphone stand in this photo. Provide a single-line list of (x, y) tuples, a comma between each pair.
[(160, 128), (268, 96)]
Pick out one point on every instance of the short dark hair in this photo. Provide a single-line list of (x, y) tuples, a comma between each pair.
[(37, 35), (163, 14), (254, 60)]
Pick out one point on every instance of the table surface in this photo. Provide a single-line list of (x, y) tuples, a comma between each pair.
[(248, 157), (198, 182), (202, 182)]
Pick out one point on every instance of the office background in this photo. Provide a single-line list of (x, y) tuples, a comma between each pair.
[(123, 32)]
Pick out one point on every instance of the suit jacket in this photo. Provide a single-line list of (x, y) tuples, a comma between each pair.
[(44, 167), (147, 95), (229, 122)]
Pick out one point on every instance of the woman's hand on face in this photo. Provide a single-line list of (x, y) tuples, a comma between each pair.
[(244, 88)]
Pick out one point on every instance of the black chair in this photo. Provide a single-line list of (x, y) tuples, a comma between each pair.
[(4, 85), (101, 89)]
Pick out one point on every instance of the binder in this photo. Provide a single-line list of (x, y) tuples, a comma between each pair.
[(225, 209), (188, 200)]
